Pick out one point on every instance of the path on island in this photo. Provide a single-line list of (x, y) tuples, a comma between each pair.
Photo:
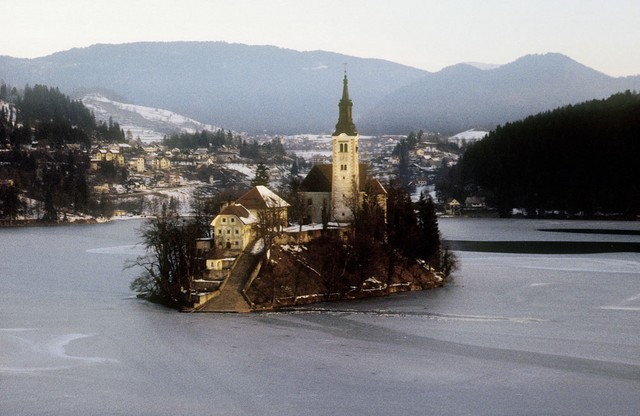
[(231, 298)]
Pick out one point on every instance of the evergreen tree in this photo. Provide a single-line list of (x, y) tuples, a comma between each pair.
[(546, 162), (262, 176), (402, 231), (10, 204), (428, 229), (294, 168)]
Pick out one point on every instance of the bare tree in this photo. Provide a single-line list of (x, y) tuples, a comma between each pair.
[(171, 259)]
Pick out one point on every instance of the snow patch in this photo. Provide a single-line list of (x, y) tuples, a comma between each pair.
[(258, 247), (148, 123)]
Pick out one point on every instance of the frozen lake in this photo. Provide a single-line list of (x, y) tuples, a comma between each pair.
[(511, 334)]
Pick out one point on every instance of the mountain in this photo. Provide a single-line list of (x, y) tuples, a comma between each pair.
[(239, 87), (462, 96), (269, 89)]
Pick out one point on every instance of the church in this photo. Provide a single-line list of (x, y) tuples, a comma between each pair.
[(337, 188)]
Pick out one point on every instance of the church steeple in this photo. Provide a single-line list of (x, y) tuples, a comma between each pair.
[(345, 120)]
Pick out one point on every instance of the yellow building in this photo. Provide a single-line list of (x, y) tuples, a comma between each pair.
[(161, 163), (234, 228), (116, 157), (266, 206), (140, 165)]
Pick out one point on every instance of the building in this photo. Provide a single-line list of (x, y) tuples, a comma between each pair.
[(265, 205), (453, 207), (336, 189), (140, 165), (112, 155), (161, 163), (234, 228)]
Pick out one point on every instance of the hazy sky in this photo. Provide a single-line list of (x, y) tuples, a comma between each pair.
[(427, 34)]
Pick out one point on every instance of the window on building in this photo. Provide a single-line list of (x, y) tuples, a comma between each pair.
[(237, 243), (237, 232), (309, 201), (233, 220), (228, 231), (224, 220)]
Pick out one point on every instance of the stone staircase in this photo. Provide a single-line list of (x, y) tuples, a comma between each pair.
[(230, 298)]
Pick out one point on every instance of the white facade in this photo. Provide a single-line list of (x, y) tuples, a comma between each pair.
[(345, 176)]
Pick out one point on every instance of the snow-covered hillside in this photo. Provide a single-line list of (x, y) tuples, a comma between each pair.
[(150, 124), (466, 137)]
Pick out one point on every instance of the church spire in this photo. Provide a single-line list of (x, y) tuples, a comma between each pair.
[(345, 121)]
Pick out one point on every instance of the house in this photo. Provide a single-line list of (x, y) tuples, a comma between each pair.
[(475, 202), (319, 160), (116, 157), (234, 228), (201, 153), (161, 163), (453, 207), (101, 189), (100, 155), (112, 155), (228, 154), (265, 205), (174, 180), (140, 165)]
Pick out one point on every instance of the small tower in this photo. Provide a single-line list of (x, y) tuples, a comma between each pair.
[(345, 171)]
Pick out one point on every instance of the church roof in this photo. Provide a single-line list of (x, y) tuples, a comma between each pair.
[(319, 178), (376, 187), (261, 197)]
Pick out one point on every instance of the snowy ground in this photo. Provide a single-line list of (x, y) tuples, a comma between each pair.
[(148, 123)]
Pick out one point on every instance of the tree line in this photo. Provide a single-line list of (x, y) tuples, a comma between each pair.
[(204, 139), (579, 159), (49, 117)]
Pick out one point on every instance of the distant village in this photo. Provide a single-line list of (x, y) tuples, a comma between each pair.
[(139, 170), (153, 166)]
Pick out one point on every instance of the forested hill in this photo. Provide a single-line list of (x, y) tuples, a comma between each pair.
[(581, 158), (49, 117)]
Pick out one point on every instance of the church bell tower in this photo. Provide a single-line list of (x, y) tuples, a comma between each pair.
[(345, 170)]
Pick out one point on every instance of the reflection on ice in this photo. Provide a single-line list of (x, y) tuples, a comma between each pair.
[(134, 249), (425, 315), (31, 353), (586, 263)]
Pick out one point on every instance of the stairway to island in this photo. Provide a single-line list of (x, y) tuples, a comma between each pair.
[(231, 298)]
